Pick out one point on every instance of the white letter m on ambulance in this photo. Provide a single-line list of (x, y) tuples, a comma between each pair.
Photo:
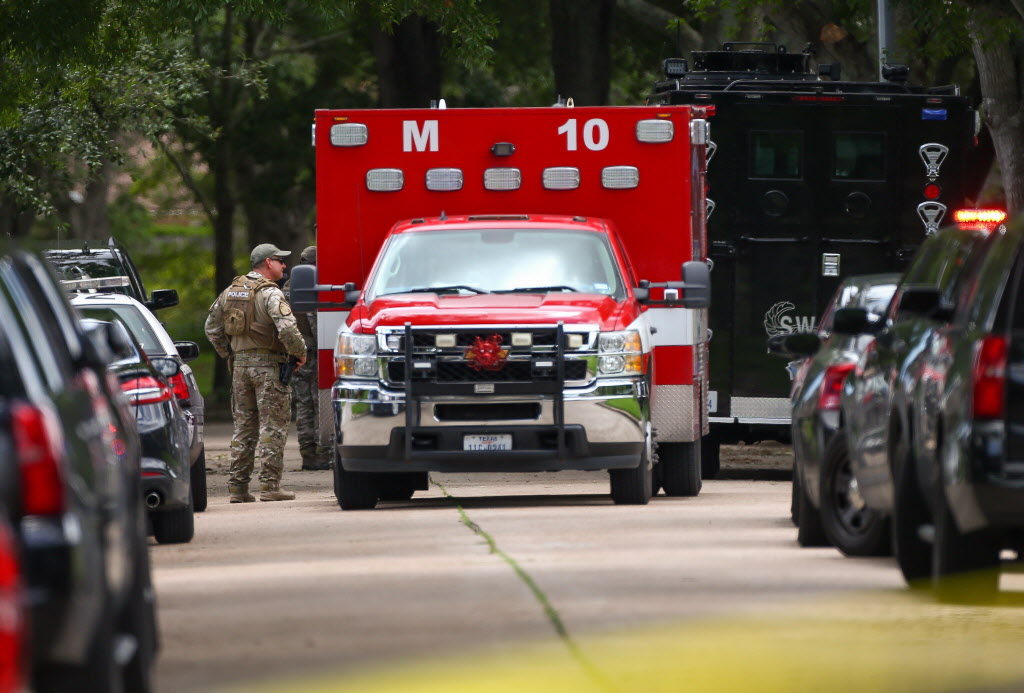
[(424, 139)]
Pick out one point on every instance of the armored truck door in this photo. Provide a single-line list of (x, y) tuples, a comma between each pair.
[(764, 250), (858, 201)]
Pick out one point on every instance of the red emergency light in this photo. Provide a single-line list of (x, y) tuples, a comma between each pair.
[(979, 219), (932, 191)]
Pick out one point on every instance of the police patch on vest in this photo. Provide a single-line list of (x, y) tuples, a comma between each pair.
[(234, 322)]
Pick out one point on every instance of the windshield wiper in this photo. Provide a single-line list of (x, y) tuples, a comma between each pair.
[(536, 289), (446, 289)]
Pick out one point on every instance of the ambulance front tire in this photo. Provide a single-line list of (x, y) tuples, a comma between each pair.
[(354, 490), (710, 460), (680, 468), (633, 486)]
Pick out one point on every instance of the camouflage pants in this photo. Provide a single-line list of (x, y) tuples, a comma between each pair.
[(306, 396), (261, 408)]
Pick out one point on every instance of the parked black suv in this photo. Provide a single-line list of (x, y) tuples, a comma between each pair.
[(882, 397), (76, 503), (107, 269), (827, 506), (969, 453)]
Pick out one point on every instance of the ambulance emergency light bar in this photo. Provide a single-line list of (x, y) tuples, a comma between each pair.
[(98, 284), (658, 130), (649, 130)]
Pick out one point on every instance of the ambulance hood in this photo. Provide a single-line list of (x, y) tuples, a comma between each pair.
[(495, 309)]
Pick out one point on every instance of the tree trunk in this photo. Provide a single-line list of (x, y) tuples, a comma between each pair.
[(580, 49), (1001, 70), (408, 63), (90, 219)]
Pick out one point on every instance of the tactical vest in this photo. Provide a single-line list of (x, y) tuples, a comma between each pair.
[(246, 329)]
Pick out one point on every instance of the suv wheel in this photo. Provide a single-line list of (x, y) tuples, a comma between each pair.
[(197, 478), (851, 526), (910, 516)]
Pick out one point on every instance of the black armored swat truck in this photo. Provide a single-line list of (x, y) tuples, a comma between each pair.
[(810, 179)]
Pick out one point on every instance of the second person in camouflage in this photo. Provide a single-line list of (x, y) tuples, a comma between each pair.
[(306, 388)]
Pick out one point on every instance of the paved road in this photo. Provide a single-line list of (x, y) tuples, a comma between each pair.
[(538, 582)]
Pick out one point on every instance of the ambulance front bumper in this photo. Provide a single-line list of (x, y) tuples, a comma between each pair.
[(604, 427)]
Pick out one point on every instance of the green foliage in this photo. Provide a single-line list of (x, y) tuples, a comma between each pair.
[(177, 257)]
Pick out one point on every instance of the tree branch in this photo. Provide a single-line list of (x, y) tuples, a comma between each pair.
[(660, 19), (187, 178)]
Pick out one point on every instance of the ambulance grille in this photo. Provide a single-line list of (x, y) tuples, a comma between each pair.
[(426, 340), (513, 372)]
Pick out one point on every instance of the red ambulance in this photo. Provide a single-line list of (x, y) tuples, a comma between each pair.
[(513, 290)]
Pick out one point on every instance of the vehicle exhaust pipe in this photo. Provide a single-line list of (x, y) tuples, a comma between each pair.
[(153, 499)]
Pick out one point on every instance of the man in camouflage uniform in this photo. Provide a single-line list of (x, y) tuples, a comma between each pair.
[(306, 388), (252, 324)]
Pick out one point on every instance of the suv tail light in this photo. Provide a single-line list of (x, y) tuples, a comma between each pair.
[(990, 377), (39, 444), (180, 387), (146, 390), (832, 386)]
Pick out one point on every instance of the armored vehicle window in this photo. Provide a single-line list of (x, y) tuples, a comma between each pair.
[(858, 156), (776, 154)]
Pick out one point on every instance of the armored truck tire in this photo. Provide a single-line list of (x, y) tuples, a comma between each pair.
[(850, 525), (197, 478), (680, 468), (710, 456), (809, 531), (633, 486)]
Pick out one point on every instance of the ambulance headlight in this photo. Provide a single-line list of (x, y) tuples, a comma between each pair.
[(356, 356), (611, 365), (620, 353)]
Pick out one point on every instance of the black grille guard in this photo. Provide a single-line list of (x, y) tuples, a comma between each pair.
[(556, 388)]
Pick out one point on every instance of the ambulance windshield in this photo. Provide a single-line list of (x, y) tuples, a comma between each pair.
[(477, 261)]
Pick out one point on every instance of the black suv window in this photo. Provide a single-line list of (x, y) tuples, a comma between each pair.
[(46, 344)]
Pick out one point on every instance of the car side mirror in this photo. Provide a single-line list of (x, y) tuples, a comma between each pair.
[(854, 321), (163, 298), (168, 366), (794, 345), (924, 301), (305, 291), (188, 351), (642, 293)]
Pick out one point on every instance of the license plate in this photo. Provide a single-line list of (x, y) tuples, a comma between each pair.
[(487, 443)]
